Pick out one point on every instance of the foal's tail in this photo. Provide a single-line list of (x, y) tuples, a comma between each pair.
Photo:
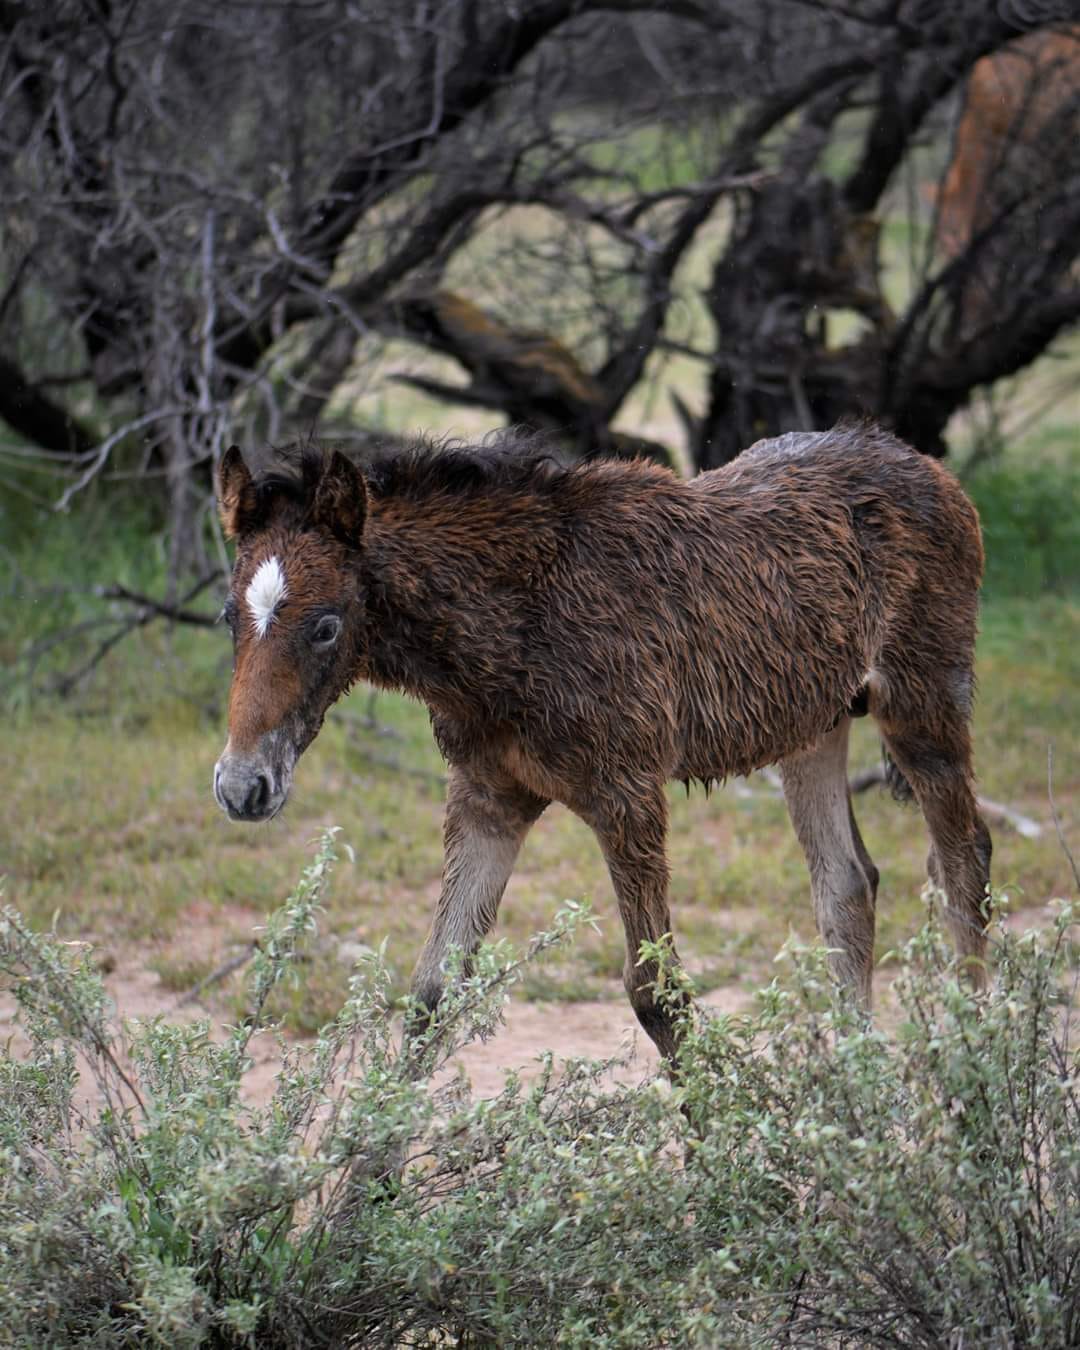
[(895, 781)]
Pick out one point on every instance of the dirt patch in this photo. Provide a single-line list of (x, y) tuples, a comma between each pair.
[(595, 1029), (599, 1029), (592, 1029), (208, 920)]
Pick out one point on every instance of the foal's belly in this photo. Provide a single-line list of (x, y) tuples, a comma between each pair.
[(538, 776), (702, 750), (708, 756)]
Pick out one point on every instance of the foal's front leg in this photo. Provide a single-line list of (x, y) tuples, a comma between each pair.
[(486, 821)]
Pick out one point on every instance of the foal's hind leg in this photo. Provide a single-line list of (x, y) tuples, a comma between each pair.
[(843, 878), (631, 826), (935, 758)]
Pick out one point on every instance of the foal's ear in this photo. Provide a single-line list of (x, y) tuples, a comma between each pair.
[(237, 498), (340, 505)]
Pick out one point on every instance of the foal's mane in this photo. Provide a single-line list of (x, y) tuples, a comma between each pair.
[(422, 467), (425, 467)]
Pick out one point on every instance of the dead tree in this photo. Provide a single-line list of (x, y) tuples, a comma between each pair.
[(216, 213)]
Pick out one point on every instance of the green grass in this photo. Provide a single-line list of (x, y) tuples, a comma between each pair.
[(1030, 516)]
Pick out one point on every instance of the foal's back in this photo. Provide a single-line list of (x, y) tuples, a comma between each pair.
[(732, 620)]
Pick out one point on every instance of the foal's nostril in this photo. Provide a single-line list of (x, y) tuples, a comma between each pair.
[(259, 796), (249, 791)]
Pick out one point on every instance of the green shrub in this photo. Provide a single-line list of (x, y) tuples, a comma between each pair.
[(921, 1188), (1031, 526), (809, 1180)]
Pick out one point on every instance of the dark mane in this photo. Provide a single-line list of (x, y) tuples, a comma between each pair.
[(508, 461)]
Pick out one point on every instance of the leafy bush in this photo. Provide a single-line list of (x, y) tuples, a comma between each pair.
[(1031, 526), (809, 1180)]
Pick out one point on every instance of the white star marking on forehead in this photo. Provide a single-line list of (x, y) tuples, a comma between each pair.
[(265, 592)]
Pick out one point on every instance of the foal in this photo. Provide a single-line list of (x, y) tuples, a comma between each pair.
[(584, 634)]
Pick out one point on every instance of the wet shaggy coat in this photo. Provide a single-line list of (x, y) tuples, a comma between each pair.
[(584, 634)]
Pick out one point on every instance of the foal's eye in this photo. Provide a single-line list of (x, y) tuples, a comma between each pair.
[(326, 631)]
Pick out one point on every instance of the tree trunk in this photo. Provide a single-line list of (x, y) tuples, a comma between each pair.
[(796, 253)]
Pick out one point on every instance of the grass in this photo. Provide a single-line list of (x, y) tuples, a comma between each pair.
[(1031, 522)]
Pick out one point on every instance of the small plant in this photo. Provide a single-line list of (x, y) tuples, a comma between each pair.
[(806, 1180)]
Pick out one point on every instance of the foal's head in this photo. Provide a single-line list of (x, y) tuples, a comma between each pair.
[(294, 617)]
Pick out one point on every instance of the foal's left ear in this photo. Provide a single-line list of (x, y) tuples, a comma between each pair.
[(340, 505)]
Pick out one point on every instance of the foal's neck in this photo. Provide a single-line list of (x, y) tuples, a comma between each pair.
[(444, 578)]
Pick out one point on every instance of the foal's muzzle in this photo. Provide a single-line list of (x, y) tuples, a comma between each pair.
[(248, 788)]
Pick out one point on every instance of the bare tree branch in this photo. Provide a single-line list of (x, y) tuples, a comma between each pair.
[(151, 607), (210, 206), (146, 612), (32, 414)]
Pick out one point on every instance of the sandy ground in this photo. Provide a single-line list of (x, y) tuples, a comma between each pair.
[(598, 1029)]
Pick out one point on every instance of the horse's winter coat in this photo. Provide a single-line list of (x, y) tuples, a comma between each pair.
[(584, 634)]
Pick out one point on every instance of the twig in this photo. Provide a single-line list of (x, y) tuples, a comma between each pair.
[(225, 969), (158, 607), (66, 683), (102, 452), (45, 644), (1056, 817)]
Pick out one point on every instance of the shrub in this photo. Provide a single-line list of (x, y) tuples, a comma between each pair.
[(921, 1188), (1031, 526), (809, 1180)]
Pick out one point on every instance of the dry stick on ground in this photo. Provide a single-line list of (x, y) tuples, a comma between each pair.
[(996, 811), (216, 976), (1008, 815)]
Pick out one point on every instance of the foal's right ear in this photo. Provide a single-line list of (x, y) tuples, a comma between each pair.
[(237, 499), (340, 505)]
